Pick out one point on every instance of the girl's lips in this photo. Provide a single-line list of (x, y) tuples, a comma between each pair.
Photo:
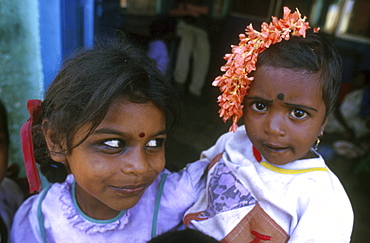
[(131, 189)]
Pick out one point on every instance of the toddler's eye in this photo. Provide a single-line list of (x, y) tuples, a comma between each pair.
[(155, 143), (299, 114), (114, 143), (258, 106)]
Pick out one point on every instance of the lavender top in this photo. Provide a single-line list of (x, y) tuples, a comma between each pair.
[(54, 216)]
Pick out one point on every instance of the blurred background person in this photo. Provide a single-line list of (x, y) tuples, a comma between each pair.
[(194, 47)]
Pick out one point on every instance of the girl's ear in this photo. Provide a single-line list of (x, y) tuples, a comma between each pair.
[(56, 145)]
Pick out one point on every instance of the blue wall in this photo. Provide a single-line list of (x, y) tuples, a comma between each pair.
[(65, 25), (20, 65), (35, 37)]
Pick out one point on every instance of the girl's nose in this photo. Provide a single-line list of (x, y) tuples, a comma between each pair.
[(275, 125), (135, 162)]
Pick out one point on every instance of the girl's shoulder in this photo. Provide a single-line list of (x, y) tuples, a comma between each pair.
[(27, 218), (50, 196), (54, 213)]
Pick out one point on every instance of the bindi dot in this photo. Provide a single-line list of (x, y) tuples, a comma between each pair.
[(280, 96), (142, 134)]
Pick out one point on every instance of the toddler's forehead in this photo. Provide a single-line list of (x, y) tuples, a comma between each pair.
[(281, 82)]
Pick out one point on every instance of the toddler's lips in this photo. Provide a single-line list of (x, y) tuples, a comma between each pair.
[(275, 148)]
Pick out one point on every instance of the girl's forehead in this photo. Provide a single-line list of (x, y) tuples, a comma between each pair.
[(124, 113), (127, 119)]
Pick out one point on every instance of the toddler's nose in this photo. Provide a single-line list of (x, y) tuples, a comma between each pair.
[(275, 125)]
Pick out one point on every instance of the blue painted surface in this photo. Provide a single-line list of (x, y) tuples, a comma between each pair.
[(89, 22), (50, 38), (65, 25)]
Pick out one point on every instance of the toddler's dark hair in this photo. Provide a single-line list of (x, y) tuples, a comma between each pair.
[(314, 54), (86, 86), (184, 236)]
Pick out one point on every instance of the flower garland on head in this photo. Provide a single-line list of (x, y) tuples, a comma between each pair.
[(234, 83)]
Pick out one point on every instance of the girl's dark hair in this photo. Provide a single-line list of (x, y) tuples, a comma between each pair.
[(4, 122), (85, 88), (314, 54)]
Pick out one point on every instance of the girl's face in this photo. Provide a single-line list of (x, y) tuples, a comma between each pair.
[(284, 113), (122, 157)]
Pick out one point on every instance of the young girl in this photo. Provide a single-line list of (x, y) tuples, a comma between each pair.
[(99, 137), (266, 183)]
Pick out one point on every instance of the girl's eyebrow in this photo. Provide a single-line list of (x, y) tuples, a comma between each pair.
[(106, 130), (163, 132), (302, 106)]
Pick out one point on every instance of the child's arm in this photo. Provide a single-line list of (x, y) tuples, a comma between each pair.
[(183, 188), (189, 9), (197, 10)]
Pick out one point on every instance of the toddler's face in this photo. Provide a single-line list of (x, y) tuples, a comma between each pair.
[(122, 157), (284, 113)]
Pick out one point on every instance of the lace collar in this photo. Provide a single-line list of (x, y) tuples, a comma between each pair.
[(80, 220)]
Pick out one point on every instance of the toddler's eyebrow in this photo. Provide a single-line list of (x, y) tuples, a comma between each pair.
[(302, 106), (259, 99)]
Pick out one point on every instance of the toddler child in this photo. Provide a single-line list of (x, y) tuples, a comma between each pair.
[(266, 183), (99, 137)]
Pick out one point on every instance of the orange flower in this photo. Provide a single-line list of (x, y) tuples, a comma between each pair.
[(235, 82)]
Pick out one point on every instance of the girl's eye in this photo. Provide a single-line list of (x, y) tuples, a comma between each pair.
[(113, 143), (298, 114), (258, 106), (112, 146), (155, 143)]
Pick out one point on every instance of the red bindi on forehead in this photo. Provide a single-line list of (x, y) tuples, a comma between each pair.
[(142, 134)]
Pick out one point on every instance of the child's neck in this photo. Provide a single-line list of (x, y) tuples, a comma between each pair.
[(92, 207), (310, 155)]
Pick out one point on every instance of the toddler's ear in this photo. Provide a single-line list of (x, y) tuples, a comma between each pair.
[(326, 119), (56, 145)]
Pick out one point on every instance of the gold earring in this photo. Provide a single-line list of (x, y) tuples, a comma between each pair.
[(318, 141)]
